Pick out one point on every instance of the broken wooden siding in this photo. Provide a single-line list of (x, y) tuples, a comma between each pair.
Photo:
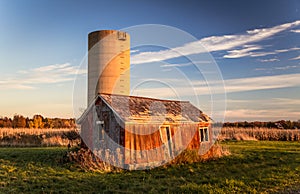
[(87, 130), (144, 143)]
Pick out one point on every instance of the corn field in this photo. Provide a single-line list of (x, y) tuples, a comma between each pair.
[(265, 134)]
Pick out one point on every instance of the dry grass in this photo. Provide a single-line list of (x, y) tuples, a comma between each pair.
[(87, 160), (32, 131), (265, 134), (24, 137), (191, 156)]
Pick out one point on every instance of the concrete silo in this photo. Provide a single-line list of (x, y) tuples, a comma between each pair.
[(108, 63)]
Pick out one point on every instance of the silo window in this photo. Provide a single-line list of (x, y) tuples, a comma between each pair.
[(122, 35)]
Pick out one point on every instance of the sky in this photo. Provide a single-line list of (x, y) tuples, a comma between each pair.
[(254, 45)]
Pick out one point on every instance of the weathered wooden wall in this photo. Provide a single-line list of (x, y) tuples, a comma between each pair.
[(87, 130), (144, 144)]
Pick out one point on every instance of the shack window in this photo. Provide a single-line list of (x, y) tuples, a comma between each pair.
[(203, 134), (165, 133), (100, 125), (106, 120)]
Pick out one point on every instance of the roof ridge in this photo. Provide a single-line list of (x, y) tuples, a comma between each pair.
[(144, 97)]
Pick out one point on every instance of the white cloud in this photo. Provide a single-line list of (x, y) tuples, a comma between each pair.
[(284, 101), (134, 51), (277, 68), (213, 43), (266, 115), (286, 67), (176, 65), (262, 83), (181, 88), (262, 54), (52, 67), (246, 51), (268, 60), (296, 58), (271, 101), (27, 79), (296, 31), (260, 69), (287, 50), (251, 84), (185, 64)]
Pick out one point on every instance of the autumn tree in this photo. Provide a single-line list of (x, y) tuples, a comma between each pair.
[(48, 123), (18, 121), (38, 121)]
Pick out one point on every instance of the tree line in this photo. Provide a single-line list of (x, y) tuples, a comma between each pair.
[(282, 124), (37, 121)]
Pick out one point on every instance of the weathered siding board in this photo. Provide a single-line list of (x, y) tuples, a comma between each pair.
[(159, 151), (137, 144), (87, 132), (177, 139), (143, 144), (150, 144), (183, 134), (127, 146), (192, 133), (133, 144)]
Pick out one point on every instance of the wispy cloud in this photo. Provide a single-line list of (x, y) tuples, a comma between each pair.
[(268, 60), (267, 114), (296, 58), (215, 43), (52, 67), (134, 51), (185, 64), (284, 101), (251, 51), (287, 50), (28, 79), (262, 83), (271, 69), (269, 109), (296, 31), (246, 51), (286, 67), (231, 86)]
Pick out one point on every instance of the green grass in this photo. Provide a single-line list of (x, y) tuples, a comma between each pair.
[(253, 167)]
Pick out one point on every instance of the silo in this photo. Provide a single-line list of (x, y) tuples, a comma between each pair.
[(108, 63)]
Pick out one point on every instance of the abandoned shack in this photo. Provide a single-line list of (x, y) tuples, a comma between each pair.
[(142, 132)]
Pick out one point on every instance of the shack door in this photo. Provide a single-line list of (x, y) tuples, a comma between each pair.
[(166, 137)]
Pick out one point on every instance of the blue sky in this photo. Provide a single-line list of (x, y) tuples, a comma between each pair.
[(254, 43)]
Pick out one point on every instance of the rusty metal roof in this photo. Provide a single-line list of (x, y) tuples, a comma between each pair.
[(151, 110)]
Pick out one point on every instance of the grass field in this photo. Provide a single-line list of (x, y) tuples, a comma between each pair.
[(253, 167)]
